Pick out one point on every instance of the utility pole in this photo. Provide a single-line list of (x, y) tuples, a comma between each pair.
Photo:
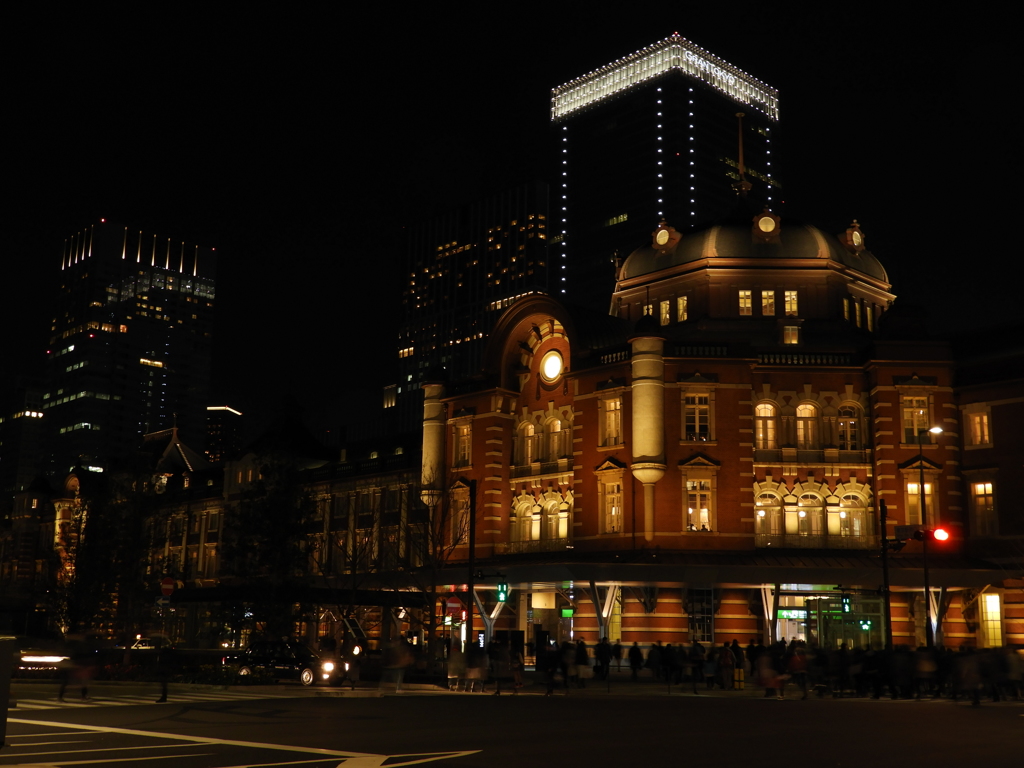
[(886, 610)]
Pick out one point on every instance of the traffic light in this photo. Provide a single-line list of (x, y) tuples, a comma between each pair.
[(502, 592), (932, 534)]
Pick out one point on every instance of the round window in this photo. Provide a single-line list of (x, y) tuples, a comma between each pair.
[(551, 366)]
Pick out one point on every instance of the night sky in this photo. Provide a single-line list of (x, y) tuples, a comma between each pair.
[(300, 145)]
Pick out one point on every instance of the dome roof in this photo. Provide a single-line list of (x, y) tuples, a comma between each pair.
[(795, 240)]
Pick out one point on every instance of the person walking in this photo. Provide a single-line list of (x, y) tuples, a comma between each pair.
[(726, 666), (603, 659), (617, 655), (583, 670), (636, 660)]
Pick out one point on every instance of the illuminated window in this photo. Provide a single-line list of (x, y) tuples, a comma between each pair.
[(555, 439), (806, 427), (869, 316), (848, 428), (666, 312), (991, 620), (463, 445), (745, 302), (696, 418), (764, 426), (681, 308), (611, 421), (850, 519), (979, 429), (767, 303), (856, 312), (915, 417), (809, 516), (768, 514), (648, 309), (612, 506), (699, 506), (791, 306), (983, 508), (914, 503), (525, 444), (791, 334), (846, 310)]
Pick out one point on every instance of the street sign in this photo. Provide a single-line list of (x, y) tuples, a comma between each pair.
[(904, 532), (167, 586), (454, 606), (163, 602)]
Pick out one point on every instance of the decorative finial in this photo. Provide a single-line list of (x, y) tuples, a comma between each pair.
[(742, 186)]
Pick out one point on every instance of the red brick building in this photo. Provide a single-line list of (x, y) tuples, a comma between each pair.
[(708, 460)]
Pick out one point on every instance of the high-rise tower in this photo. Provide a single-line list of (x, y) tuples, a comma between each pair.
[(130, 344), (652, 135)]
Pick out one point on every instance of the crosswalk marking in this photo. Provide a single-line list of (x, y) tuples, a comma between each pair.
[(129, 700)]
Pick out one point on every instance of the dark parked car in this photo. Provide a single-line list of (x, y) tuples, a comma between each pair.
[(287, 660)]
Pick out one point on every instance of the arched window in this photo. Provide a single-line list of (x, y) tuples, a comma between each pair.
[(556, 520), (851, 520), (555, 439), (527, 527), (809, 515), (849, 428), (768, 518), (764, 426), (806, 427), (525, 444)]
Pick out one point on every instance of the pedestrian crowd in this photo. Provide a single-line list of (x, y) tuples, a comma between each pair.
[(903, 672)]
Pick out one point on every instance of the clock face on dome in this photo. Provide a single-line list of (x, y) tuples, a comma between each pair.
[(661, 237), (857, 238), (551, 366), (766, 224)]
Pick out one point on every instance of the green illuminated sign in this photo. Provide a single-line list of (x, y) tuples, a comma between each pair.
[(792, 613), (567, 613)]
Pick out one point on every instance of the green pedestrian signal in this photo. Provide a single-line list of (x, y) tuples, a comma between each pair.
[(502, 592)]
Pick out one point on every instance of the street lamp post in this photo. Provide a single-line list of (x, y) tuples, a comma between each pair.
[(929, 633)]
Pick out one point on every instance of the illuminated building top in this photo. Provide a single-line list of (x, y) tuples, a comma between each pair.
[(671, 53)]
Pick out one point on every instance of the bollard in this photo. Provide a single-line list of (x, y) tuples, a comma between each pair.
[(8, 647)]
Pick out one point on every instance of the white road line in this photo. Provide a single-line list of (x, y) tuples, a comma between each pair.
[(110, 749), (202, 739), (50, 743), (354, 759), (108, 761)]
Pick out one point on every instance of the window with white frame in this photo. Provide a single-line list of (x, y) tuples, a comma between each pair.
[(525, 443), (463, 444), (555, 448), (915, 416), (983, 508), (527, 522), (979, 428), (851, 519), (809, 516), (665, 314), (806, 426), (765, 426), (991, 620), (848, 428), (696, 417), (791, 304), (913, 498), (611, 421), (699, 505), (682, 308), (767, 303), (768, 514), (745, 303), (612, 507)]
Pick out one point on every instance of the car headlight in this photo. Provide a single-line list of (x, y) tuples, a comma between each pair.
[(328, 666)]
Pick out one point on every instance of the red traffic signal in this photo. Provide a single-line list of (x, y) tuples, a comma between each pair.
[(932, 534)]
